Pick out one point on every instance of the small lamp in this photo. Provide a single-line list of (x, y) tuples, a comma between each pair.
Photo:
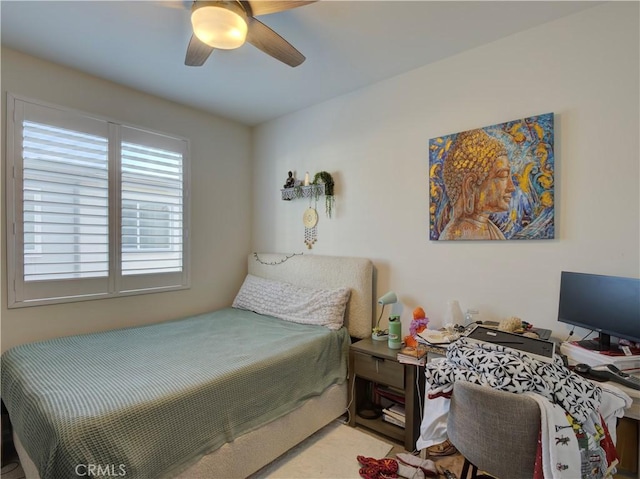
[(219, 25), (388, 298)]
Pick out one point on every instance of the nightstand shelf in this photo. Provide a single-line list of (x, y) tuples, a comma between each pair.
[(371, 363), (383, 427)]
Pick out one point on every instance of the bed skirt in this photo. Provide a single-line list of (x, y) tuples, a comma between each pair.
[(254, 450)]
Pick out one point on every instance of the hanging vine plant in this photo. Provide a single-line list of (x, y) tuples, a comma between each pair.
[(327, 179)]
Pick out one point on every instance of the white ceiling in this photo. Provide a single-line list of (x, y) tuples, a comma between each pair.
[(348, 44)]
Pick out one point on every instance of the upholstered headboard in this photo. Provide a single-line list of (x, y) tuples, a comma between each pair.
[(325, 272)]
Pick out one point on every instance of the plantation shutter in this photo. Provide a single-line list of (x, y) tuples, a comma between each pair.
[(94, 209), (152, 209), (63, 203)]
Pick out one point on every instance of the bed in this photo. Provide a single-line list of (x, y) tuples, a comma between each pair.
[(215, 395)]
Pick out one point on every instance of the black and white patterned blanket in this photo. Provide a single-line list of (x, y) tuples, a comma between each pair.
[(510, 370), (567, 402)]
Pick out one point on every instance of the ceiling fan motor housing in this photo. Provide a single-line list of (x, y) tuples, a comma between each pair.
[(227, 24), (219, 24)]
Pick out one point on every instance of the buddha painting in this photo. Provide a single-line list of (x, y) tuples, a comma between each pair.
[(478, 182), (493, 183)]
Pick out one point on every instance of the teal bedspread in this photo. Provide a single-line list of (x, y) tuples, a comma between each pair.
[(148, 402)]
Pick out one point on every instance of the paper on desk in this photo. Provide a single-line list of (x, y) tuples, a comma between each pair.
[(438, 337), (577, 354)]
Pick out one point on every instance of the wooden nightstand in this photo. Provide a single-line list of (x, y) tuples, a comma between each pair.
[(372, 362)]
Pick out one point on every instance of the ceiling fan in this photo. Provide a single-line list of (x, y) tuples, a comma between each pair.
[(227, 24)]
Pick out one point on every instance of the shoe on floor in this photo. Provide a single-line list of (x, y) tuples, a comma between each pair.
[(443, 449)]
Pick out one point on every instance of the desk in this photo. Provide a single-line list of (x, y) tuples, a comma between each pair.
[(592, 358), (634, 411), (576, 354), (628, 440)]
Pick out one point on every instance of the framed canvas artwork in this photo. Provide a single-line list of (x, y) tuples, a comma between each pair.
[(493, 183)]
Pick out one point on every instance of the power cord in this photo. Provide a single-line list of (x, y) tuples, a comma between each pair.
[(570, 334), (588, 334), (418, 391), (348, 410)]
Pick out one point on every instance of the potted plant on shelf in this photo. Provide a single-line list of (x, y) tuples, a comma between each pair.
[(329, 201)]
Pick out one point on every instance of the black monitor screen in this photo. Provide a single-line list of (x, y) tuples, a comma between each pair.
[(609, 305)]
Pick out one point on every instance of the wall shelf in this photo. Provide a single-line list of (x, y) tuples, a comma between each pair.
[(302, 192)]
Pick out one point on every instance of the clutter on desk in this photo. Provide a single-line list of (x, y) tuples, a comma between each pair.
[(540, 349), (437, 338), (578, 354), (413, 351), (608, 372), (454, 313), (615, 364), (485, 364), (441, 337), (413, 355), (418, 324), (457, 326)]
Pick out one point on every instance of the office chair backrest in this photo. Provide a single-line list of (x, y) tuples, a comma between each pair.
[(496, 431)]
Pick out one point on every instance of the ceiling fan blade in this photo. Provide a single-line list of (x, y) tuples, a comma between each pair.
[(262, 37), (175, 4), (265, 7), (197, 52)]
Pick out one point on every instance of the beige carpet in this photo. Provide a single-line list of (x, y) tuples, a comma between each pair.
[(330, 453)]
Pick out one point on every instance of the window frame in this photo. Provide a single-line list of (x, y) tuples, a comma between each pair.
[(21, 293)]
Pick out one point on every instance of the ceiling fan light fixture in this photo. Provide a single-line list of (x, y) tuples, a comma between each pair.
[(219, 25)]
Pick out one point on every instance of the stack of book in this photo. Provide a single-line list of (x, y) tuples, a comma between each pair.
[(409, 355), (388, 394), (577, 354), (391, 401), (394, 414)]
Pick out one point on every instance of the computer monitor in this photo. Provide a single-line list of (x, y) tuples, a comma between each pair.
[(609, 305)]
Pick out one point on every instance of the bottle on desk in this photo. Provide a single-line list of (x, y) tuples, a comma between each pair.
[(395, 332), (471, 316), (454, 313)]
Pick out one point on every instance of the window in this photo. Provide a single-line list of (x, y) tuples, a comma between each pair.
[(96, 209)]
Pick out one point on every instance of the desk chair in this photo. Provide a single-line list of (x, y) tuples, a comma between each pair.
[(495, 431)]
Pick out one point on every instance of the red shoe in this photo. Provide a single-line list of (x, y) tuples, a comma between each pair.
[(387, 467), (367, 461), (369, 472)]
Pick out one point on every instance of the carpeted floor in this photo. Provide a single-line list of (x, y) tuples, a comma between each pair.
[(453, 463), (330, 453)]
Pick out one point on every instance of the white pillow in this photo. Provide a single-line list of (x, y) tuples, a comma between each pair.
[(286, 301)]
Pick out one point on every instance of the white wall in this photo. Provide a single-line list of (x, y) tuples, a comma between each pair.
[(221, 202), (584, 68)]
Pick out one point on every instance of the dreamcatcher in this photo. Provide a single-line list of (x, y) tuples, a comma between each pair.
[(310, 220)]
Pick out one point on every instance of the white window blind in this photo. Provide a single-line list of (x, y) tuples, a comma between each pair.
[(151, 210), (96, 209), (65, 203)]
